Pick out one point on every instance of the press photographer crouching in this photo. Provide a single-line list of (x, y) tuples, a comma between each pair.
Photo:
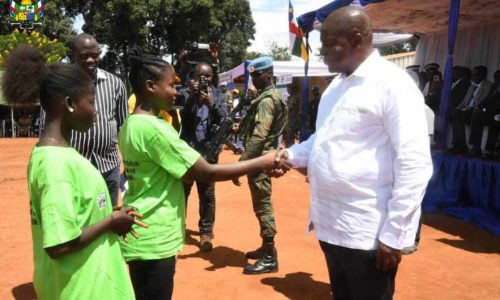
[(204, 109)]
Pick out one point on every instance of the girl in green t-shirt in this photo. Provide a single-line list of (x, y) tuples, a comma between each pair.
[(156, 163), (76, 251)]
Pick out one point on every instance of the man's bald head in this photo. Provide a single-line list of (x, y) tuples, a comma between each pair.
[(85, 53), (81, 40), (346, 37), (348, 21)]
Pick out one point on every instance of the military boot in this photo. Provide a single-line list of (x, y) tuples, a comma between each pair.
[(268, 263), (255, 254)]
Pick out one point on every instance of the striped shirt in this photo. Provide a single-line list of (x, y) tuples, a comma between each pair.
[(98, 144)]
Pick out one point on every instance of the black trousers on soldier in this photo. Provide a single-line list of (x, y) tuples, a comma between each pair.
[(260, 190), (353, 275)]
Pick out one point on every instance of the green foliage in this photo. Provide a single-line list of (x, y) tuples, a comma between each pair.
[(164, 26), (253, 55), (280, 53), (52, 50), (277, 52), (407, 46)]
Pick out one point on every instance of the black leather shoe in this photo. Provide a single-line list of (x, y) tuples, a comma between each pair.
[(206, 243), (474, 152), (255, 254), (267, 264), (457, 150)]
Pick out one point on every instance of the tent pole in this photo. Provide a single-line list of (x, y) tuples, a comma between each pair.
[(12, 121), (446, 91)]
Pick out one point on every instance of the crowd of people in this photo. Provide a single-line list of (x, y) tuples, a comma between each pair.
[(368, 163), (474, 103)]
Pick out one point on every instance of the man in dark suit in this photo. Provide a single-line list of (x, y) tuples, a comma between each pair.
[(205, 107), (476, 94), (459, 87), (484, 115)]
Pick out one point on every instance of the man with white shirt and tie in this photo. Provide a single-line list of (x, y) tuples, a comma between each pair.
[(368, 162), (476, 94)]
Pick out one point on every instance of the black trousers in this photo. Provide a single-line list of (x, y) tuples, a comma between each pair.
[(112, 178), (479, 120), (153, 279), (459, 120), (206, 192), (353, 275)]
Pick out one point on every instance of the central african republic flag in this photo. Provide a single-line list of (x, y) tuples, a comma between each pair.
[(297, 46)]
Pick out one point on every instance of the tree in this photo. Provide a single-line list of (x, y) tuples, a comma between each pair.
[(406, 46), (164, 26), (279, 53), (276, 51), (52, 50), (253, 55)]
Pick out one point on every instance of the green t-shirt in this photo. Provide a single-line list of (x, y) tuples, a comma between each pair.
[(155, 160), (68, 194)]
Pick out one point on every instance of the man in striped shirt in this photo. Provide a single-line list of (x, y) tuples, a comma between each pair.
[(98, 144)]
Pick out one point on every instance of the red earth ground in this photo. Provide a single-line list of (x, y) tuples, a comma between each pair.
[(455, 261)]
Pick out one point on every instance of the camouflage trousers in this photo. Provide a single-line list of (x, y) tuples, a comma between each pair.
[(290, 134), (260, 190)]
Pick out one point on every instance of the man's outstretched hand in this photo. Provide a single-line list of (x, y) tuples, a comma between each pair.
[(281, 164)]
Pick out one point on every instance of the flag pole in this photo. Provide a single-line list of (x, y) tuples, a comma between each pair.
[(305, 132)]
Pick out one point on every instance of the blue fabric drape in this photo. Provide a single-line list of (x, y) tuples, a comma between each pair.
[(247, 75), (366, 2), (466, 188), (446, 91), (306, 20)]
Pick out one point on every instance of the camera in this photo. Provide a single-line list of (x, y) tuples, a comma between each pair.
[(203, 84), (198, 53)]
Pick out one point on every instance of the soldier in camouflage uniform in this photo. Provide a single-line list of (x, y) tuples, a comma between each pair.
[(293, 125), (261, 128)]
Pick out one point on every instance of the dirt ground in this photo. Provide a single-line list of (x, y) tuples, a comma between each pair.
[(455, 261)]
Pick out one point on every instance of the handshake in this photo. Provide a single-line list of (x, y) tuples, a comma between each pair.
[(281, 164), (273, 163)]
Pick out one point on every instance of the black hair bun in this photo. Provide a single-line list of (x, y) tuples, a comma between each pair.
[(25, 71)]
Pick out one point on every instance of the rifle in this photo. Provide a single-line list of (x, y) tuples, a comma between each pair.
[(222, 131)]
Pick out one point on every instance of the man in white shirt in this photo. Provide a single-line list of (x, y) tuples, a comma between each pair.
[(368, 162)]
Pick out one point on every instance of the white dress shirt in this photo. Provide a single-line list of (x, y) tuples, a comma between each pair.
[(369, 161)]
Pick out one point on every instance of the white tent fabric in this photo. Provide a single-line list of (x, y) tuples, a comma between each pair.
[(381, 39), (474, 47), (294, 68), (230, 75)]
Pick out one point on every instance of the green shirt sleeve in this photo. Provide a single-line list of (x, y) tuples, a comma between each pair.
[(263, 122), (58, 215), (172, 154)]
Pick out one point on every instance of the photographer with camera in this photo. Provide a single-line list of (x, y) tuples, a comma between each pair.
[(204, 109)]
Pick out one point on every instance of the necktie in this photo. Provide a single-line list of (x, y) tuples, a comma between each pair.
[(473, 97)]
